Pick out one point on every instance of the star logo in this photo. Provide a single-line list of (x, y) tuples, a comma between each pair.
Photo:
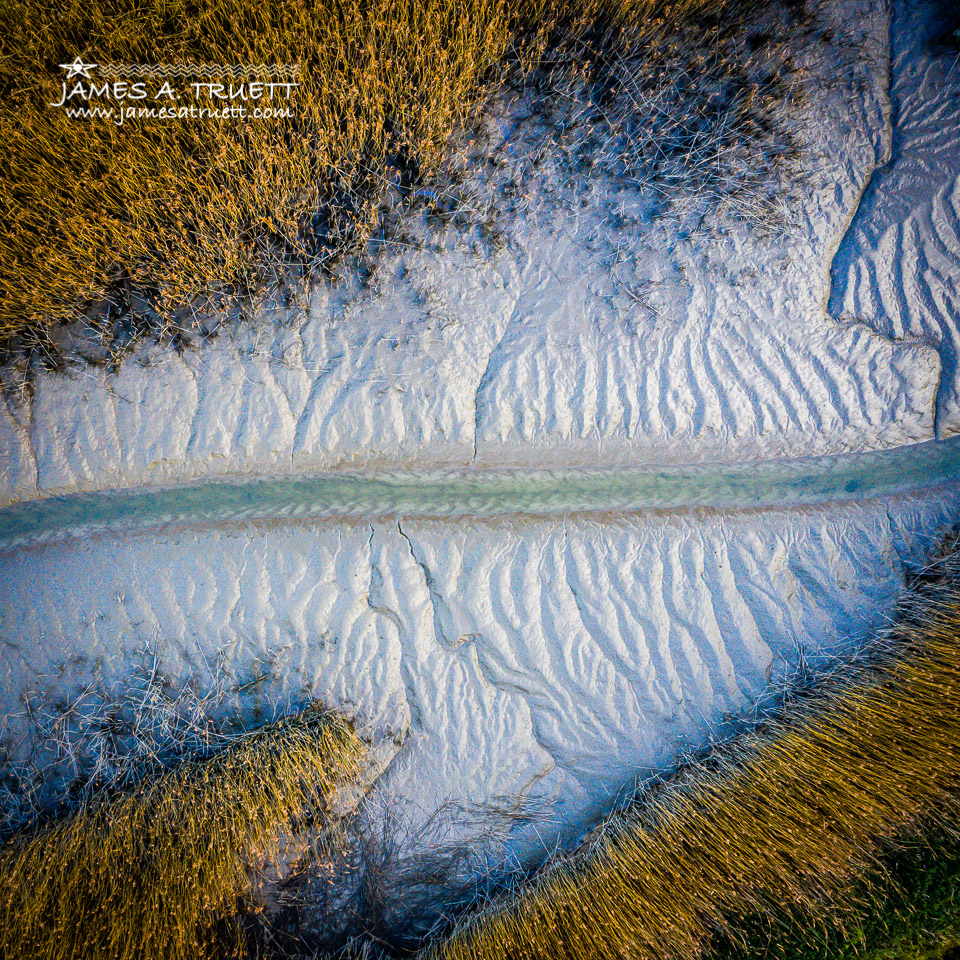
[(77, 69)]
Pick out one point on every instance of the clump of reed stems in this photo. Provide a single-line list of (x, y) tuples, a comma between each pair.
[(161, 871), (780, 822), (163, 213)]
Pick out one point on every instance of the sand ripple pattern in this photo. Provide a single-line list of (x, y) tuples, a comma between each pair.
[(559, 658), (898, 268), (595, 334)]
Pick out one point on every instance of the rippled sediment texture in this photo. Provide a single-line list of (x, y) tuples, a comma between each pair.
[(149, 874), (897, 265), (786, 817)]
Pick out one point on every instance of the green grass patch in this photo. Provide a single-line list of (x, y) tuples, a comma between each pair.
[(913, 914)]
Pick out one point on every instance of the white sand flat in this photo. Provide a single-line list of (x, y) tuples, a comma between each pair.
[(898, 268), (563, 655), (597, 336), (558, 657)]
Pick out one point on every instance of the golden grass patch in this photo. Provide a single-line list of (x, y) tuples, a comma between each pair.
[(151, 873), (180, 208), (784, 821)]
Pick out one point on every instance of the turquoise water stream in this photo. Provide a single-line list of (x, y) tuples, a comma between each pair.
[(488, 494)]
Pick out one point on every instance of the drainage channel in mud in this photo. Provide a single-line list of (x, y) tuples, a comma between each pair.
[(487, 494)]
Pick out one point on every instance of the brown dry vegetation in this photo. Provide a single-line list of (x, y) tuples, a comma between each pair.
[(159, 872), (172, 210), (782, 822)]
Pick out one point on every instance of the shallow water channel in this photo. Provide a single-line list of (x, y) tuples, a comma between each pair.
[(487, 494)]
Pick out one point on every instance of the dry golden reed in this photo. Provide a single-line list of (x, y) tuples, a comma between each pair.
[(179, 208), (150, 874), (784, 821)]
